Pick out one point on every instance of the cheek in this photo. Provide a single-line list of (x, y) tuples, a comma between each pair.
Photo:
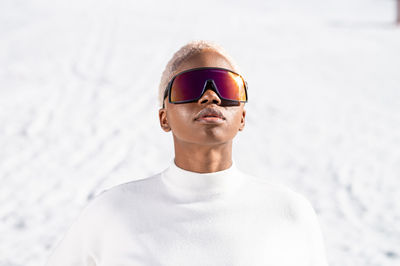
[(235, 117), (179, 119)]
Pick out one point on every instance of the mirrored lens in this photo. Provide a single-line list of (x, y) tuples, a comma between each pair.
[(230, 85), (189, 85)]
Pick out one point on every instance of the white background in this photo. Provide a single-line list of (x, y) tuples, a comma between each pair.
[(79, 110)]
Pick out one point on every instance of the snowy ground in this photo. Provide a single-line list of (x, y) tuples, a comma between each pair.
[(78, 110)]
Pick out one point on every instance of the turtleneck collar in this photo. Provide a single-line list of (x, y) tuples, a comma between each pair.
[(202, 183)]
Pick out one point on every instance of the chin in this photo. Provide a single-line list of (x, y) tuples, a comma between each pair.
[(212, 140)]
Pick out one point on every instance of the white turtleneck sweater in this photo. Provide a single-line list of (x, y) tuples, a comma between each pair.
[(182, 218)]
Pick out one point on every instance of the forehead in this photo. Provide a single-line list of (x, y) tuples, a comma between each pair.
[(207, 58)]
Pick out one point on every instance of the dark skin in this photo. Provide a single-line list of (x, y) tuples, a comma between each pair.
[(203, 147)]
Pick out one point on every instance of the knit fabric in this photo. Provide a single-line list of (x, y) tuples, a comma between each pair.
[(181, 218)]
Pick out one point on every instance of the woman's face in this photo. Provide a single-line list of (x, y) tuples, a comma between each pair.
[(182, 118)]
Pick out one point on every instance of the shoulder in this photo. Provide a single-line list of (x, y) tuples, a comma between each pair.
[(265, 184), (119, 197), (293, 204), (129, 188)]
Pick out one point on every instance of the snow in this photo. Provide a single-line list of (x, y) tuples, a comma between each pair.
[(79, 114)]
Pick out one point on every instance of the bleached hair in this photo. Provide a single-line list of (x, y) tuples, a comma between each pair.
[(186, 51)]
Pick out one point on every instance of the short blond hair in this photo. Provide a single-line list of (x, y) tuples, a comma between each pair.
[(186, 51)]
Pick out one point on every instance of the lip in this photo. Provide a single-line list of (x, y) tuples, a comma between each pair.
[(210, 120)]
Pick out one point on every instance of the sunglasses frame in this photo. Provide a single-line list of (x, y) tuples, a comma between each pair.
[(167, 91)]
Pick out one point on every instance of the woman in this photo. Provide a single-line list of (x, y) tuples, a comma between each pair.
[(201, 210)]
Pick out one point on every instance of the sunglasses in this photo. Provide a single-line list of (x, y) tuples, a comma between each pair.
[(189, 86)]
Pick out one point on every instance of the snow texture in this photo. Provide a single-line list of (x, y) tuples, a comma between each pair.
[(79, 113)]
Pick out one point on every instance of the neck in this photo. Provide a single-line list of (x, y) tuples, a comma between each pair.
[(203, 158)]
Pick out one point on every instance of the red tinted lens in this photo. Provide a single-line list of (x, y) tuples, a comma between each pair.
[(230, 85), (189, 85)]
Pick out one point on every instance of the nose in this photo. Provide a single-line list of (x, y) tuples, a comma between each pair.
[(209, 95)]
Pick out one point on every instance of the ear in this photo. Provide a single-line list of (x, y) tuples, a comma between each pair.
[(162, 114), (242, 121)]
